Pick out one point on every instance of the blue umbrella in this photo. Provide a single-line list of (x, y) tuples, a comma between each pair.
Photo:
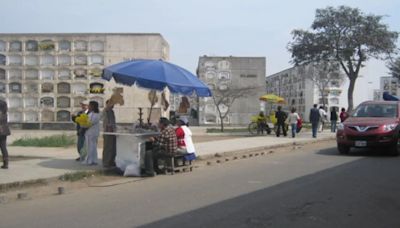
[(156, 74)]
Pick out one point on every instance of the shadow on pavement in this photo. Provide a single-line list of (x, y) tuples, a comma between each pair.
[(361, 193), (367, 152), (68, 164)]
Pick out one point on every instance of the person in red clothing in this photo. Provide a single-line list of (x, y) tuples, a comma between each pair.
[(180, 135), (343, 115), (184, 139)]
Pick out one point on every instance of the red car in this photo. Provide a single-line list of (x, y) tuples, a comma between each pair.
[(371, 124)]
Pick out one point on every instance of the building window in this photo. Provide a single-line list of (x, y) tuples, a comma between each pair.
[(96, 60), (47, 60), (31, 60), (63, 116), (97, 46), (47, 116), (47, 102), (47, 74), (46, 45), (64, 74), (64, 60), (2, 74), (63, 87), (64, 45), (63, 102), (32, 74), (31, 102), (80, 60), (15, 46), (15, 87), (2, 87), (47, 87), (31, 45), (80, 45), (2, 60), (15, 60), (3, 46)]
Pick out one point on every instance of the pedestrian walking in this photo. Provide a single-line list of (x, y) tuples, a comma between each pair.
[(80, 131), (343, 115), (109, 141), (314, 120), (281, 118), (4, 132), (322, 119), (92, 134), (293, 119), (334, 119)]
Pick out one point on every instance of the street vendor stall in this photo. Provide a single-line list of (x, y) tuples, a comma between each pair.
[(156, 75)]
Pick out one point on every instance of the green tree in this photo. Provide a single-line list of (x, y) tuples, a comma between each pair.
[(345, 35), (394, 67)]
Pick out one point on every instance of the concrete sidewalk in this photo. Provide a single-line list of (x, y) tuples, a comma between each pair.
[(54, 162)]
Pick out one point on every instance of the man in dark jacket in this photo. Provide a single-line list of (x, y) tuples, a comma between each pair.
[(281, 118), (4, 132), (314, 119)]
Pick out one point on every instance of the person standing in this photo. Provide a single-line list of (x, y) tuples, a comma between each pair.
[(184, 137), (343, 115), (314, 119), (4, 132), (80, 131), (322, 119), (281, 118), (334, 119), (109, 141), (92, 134), (293, 118)]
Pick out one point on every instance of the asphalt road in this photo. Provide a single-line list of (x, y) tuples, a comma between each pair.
[(308, 187)]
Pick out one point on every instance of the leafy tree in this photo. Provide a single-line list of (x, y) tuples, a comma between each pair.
[(394, 67), (345, 35)]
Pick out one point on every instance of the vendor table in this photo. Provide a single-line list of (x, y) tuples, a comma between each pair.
[(130, 150)]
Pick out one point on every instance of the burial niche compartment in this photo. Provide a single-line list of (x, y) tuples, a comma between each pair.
[(15, 46), (47, 102), (15, 74), (31, 60), (97, 46), (64, 45), (78, 100), (80, 73), (31, 88), (63, 102), (47, 45), (47, 116), (15, 60), (15, 117), (47, 74), (47, 60), (81, 60), (32, 74), (2, 60), (31, 117), (64, 87), (96, 88), (79, 88), (64, 60), (64, 74), (63, 115), (2, 87), (31, 102), (3, 46), (15, 102), (15, 87), (47, 87), (80, 45), (31, 45), (96, 60), (99, 100)]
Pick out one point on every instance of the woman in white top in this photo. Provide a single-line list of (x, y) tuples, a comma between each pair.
[(92, 134), (185, 142), (293, 118)]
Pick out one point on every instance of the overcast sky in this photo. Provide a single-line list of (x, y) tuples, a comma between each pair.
[(196, 27)]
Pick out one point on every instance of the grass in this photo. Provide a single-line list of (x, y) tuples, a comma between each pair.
[(48, 141), (76, 176)]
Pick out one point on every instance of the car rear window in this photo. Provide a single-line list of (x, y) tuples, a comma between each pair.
[(376, 110)]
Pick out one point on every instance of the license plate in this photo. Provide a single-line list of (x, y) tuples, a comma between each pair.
[(361, 143)]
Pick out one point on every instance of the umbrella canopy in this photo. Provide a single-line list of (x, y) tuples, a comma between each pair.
[(272, 98), (156, 74)]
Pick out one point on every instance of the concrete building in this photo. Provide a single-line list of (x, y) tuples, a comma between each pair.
[(299, 91), (43, 77), (387, 84), (232, 72)]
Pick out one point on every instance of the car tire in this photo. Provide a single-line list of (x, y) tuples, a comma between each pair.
[(343, 149)]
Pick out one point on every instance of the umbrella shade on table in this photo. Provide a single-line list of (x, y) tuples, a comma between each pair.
[(156, 74), (272, 98)]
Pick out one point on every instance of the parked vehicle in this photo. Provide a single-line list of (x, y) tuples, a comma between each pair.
[(372, 124)]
